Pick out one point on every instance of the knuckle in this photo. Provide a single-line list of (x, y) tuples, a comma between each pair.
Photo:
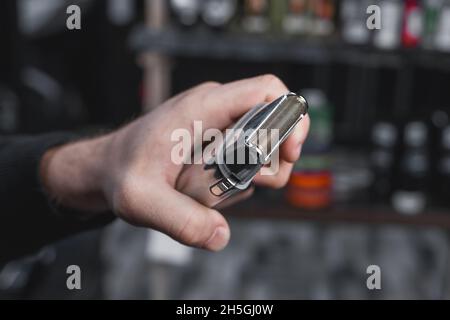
[(209, 85), (271, 79), (190, 237), (194, 232)]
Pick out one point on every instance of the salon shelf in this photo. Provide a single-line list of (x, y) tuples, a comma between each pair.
[(203, 43), (261, 207)]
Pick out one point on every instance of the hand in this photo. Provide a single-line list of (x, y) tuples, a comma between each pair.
[(130, 170)]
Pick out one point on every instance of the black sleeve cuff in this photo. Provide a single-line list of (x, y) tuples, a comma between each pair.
[(28, 221)]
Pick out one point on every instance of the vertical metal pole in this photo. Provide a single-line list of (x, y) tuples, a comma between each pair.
[(157, 81), (156, 89)]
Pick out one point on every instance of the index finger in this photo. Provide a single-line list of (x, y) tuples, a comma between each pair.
[(224, 104)]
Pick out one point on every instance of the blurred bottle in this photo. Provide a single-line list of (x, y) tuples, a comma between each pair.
[(185, 12), (310, 185), (388, 37), (410, 195), (323, 17), (382, 158), (218, 14), (352, 176), (353, 21), (442, 38), (121, 13), (256, 16), (431, 16), (297, 17), (412, 24)]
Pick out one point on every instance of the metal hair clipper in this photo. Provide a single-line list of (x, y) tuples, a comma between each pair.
[(247, 147)]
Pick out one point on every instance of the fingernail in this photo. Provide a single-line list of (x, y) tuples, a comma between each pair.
[(218, 240)]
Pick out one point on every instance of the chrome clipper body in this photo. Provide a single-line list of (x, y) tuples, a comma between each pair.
[(247, 147)]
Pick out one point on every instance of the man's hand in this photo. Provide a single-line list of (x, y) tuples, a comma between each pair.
[(130, 170)]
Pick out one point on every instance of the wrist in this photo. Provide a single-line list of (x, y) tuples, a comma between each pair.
[(73, 175)]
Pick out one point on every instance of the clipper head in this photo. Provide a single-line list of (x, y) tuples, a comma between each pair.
[(279, 118), (256, 137)]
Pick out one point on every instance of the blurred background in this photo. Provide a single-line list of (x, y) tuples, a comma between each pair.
[(373, 184)]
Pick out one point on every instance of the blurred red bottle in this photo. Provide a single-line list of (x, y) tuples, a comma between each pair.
[(412, 24)]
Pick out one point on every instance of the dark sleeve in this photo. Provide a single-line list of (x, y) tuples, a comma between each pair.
[(27, 219)]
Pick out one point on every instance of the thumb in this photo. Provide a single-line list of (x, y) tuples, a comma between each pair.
[(178, 216)]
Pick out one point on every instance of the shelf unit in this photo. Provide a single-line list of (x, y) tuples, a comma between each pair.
[(217, 45), (260, 207)]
